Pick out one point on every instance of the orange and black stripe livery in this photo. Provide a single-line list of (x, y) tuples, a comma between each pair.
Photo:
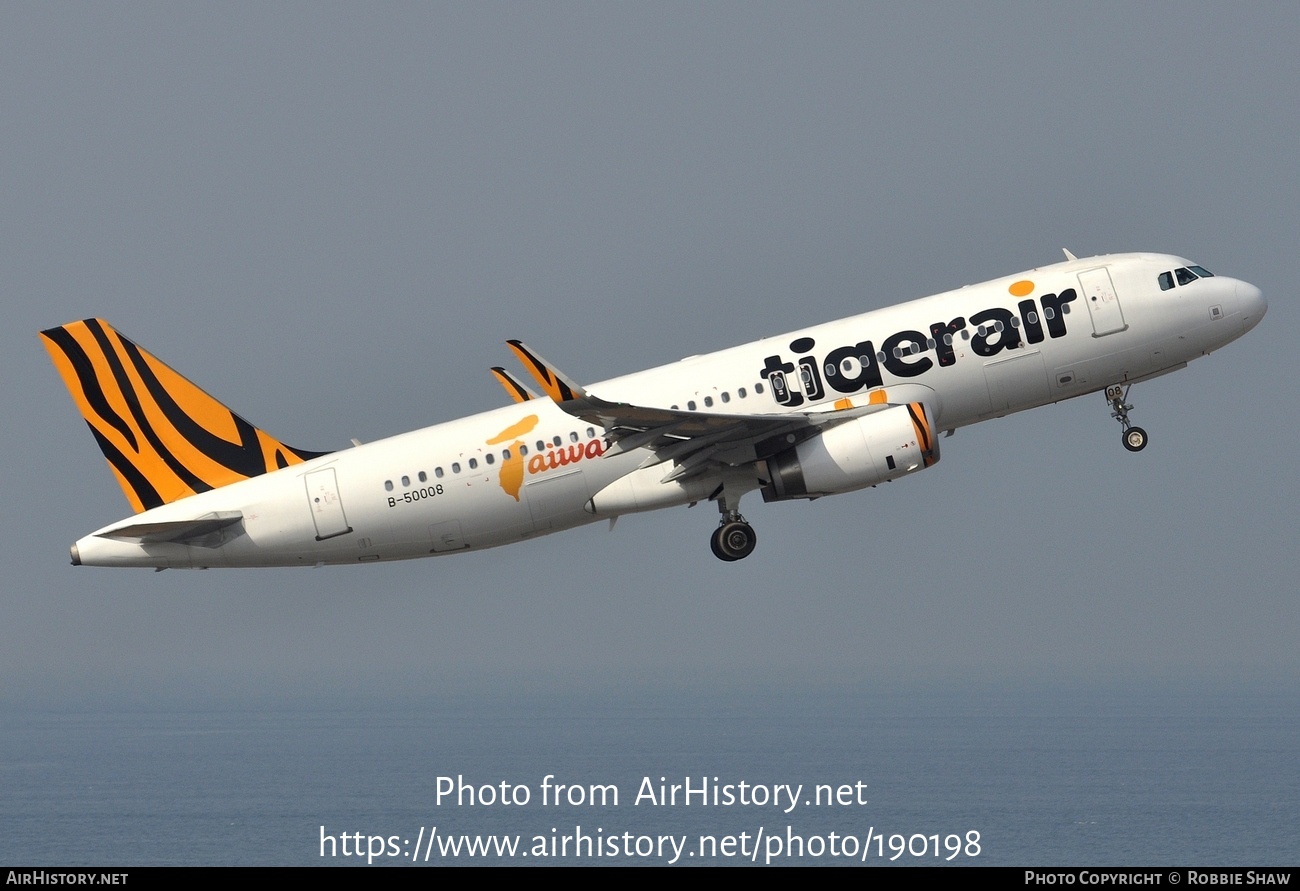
[(517, 391), (924, 433), (164, 438), (548, 377)]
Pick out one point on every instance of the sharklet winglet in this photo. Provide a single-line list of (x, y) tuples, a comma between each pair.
[(513, 387), (555, 383)]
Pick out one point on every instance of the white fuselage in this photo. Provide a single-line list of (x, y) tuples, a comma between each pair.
[(530, 468)]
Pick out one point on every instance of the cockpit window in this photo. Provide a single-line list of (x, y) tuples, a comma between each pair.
[(1201, 271), (1185, 276), (1166, 281)]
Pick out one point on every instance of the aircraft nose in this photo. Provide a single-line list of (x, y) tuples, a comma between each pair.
[(1252, 304)]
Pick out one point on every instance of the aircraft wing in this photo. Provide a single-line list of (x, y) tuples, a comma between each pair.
[(693, 439)]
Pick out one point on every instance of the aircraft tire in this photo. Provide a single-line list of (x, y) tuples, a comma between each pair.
[(1135, 439), (733, 541)]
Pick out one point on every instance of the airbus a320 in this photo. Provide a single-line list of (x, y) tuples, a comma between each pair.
[(823, 410)]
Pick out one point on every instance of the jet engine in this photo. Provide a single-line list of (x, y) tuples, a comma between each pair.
[(863, 452)]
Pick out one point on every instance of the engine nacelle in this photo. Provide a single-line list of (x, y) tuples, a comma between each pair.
[(856, 454)]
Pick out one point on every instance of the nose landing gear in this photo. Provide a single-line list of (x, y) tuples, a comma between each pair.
[(1134, 438)]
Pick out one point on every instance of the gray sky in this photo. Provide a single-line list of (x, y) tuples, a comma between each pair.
[(333, 216)]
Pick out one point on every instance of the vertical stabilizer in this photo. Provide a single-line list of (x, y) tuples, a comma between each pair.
[(164, 437)]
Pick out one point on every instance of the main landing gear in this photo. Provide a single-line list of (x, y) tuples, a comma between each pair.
[(1135, 438), (734, 539)]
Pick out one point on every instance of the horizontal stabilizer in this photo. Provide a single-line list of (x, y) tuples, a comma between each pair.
[(200, 531)]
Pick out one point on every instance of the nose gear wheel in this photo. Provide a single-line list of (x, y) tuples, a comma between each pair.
[(1134, 438)]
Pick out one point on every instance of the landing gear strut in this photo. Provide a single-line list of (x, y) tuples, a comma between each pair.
[(1135, 438), (734, 539)]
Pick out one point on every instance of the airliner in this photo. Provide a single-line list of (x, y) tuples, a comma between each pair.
[(823, 410)]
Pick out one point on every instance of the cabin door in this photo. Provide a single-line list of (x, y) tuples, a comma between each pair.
[(1103, 302)]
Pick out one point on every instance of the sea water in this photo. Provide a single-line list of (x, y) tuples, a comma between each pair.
[(1105, 775)]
